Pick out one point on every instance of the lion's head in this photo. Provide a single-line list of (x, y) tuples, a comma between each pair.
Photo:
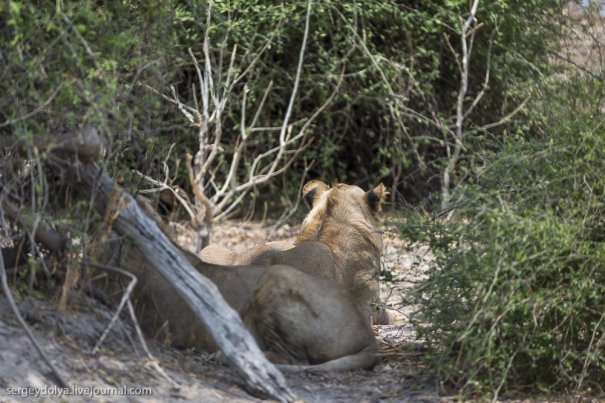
[(346, 206)]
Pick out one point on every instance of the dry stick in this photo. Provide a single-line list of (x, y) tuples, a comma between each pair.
[(154, 361), (202, 296), (126, 299), (59, 378)]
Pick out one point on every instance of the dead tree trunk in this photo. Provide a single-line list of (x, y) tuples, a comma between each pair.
[(203, 297)]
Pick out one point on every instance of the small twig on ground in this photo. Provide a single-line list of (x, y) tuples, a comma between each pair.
[(153, 360), (126, 300), (60, 381), (125, 297)]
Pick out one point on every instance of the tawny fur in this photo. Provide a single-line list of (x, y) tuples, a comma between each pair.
[(300, 322), (339, 241)]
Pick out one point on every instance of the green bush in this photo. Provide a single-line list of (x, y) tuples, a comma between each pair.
[(395, 59), (515, 294), (90, 62)]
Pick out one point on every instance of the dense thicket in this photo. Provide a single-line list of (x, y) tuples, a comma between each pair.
[(401, 78), (66, 64), (515, 300)]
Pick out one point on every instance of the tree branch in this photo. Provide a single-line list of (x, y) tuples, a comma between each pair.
[(200, 294)]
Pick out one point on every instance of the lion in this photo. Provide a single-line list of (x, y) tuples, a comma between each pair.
[(299, 321), (338, 241)]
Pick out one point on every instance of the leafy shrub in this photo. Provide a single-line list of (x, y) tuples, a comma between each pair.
[(515, 295), (398, 68), (83, 60)]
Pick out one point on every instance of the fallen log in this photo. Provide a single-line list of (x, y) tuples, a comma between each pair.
[(202, 296), (120, 209)]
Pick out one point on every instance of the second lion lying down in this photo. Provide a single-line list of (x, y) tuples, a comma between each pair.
[(338, 241)]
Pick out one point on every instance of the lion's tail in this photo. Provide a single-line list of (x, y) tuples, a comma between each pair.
[(365, 359)]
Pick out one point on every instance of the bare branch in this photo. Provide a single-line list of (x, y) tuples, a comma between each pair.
[(255, 179), (154, 361), (454, 53), (460, 116), (486, 79), (301, 57), (186, 110), (222, 176), (259, 53), (202, 226), (401, 107), (506, 118), (164, 186), (135, 323)]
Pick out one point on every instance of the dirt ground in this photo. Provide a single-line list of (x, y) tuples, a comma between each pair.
[(69, 337)]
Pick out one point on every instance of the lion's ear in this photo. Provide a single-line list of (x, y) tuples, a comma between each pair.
[(313, 190), (376, 197)]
